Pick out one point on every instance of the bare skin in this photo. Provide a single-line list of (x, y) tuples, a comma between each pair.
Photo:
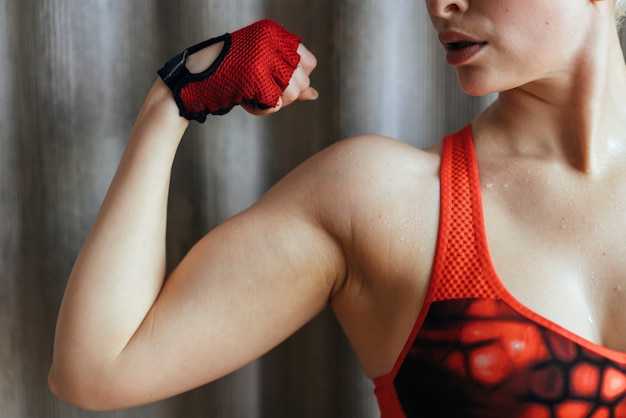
[(355, 227)]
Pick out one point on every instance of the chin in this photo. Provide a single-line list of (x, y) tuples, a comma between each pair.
[(478, 86), (477, 91)]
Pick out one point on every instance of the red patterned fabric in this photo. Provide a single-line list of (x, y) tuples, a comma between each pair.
[(476, 351)]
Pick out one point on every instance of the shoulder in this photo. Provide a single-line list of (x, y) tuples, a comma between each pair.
[(356, 177), (363, 189), (372, 168), (361, 160), (347, 183), (365, 161), (378, 149)]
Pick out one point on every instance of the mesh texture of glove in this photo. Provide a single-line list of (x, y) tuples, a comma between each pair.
[(255, 65)]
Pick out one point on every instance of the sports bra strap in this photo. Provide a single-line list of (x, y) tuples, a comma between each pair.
[(459, 267)]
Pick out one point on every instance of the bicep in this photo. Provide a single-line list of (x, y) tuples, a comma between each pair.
[(242, 289)]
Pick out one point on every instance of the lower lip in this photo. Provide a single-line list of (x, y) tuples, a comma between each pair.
[(461, 56)]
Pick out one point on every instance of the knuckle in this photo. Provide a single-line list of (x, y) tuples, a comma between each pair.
[(290, 94)]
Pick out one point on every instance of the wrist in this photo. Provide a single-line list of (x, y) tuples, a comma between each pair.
[(159, 124), (160, 104)]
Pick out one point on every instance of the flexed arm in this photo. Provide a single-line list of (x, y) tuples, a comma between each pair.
[(126, 335)]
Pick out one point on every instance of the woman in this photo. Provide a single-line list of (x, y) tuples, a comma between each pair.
[(481, 277)]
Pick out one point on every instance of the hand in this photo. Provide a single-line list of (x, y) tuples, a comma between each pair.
[(299, 88), (256, 65)]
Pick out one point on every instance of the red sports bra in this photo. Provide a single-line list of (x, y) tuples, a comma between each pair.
[(475, 350)]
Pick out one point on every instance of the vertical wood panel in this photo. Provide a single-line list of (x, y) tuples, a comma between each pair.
[(10, 376)]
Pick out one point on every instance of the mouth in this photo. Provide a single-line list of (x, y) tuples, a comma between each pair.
[(457, 46), (460, 47), (454, 41), (461, 52)]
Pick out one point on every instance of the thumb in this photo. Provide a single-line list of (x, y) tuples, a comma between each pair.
[(309, 94)]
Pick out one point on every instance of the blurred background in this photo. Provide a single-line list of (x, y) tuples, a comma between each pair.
[(73, 76)]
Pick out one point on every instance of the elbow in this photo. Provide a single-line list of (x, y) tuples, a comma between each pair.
[(81, 393), (57, 388)]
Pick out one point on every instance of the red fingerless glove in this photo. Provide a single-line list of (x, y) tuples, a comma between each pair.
[(255, 66)]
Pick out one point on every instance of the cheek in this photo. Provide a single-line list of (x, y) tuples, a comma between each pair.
[(562, 31), (534, 25), (537, 47)]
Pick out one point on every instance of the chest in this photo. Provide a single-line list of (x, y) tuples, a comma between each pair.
[(559, 247)]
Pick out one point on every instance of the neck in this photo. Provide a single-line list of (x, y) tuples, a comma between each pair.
[(578, 116)]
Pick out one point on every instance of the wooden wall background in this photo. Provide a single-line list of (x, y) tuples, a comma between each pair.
[(73, 76)]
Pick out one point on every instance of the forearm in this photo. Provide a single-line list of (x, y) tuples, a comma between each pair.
[(121, 267)]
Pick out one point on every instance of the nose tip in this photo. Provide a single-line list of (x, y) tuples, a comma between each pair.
[(446, 8)]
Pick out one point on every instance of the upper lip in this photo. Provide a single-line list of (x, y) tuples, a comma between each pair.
[(451, 38)]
